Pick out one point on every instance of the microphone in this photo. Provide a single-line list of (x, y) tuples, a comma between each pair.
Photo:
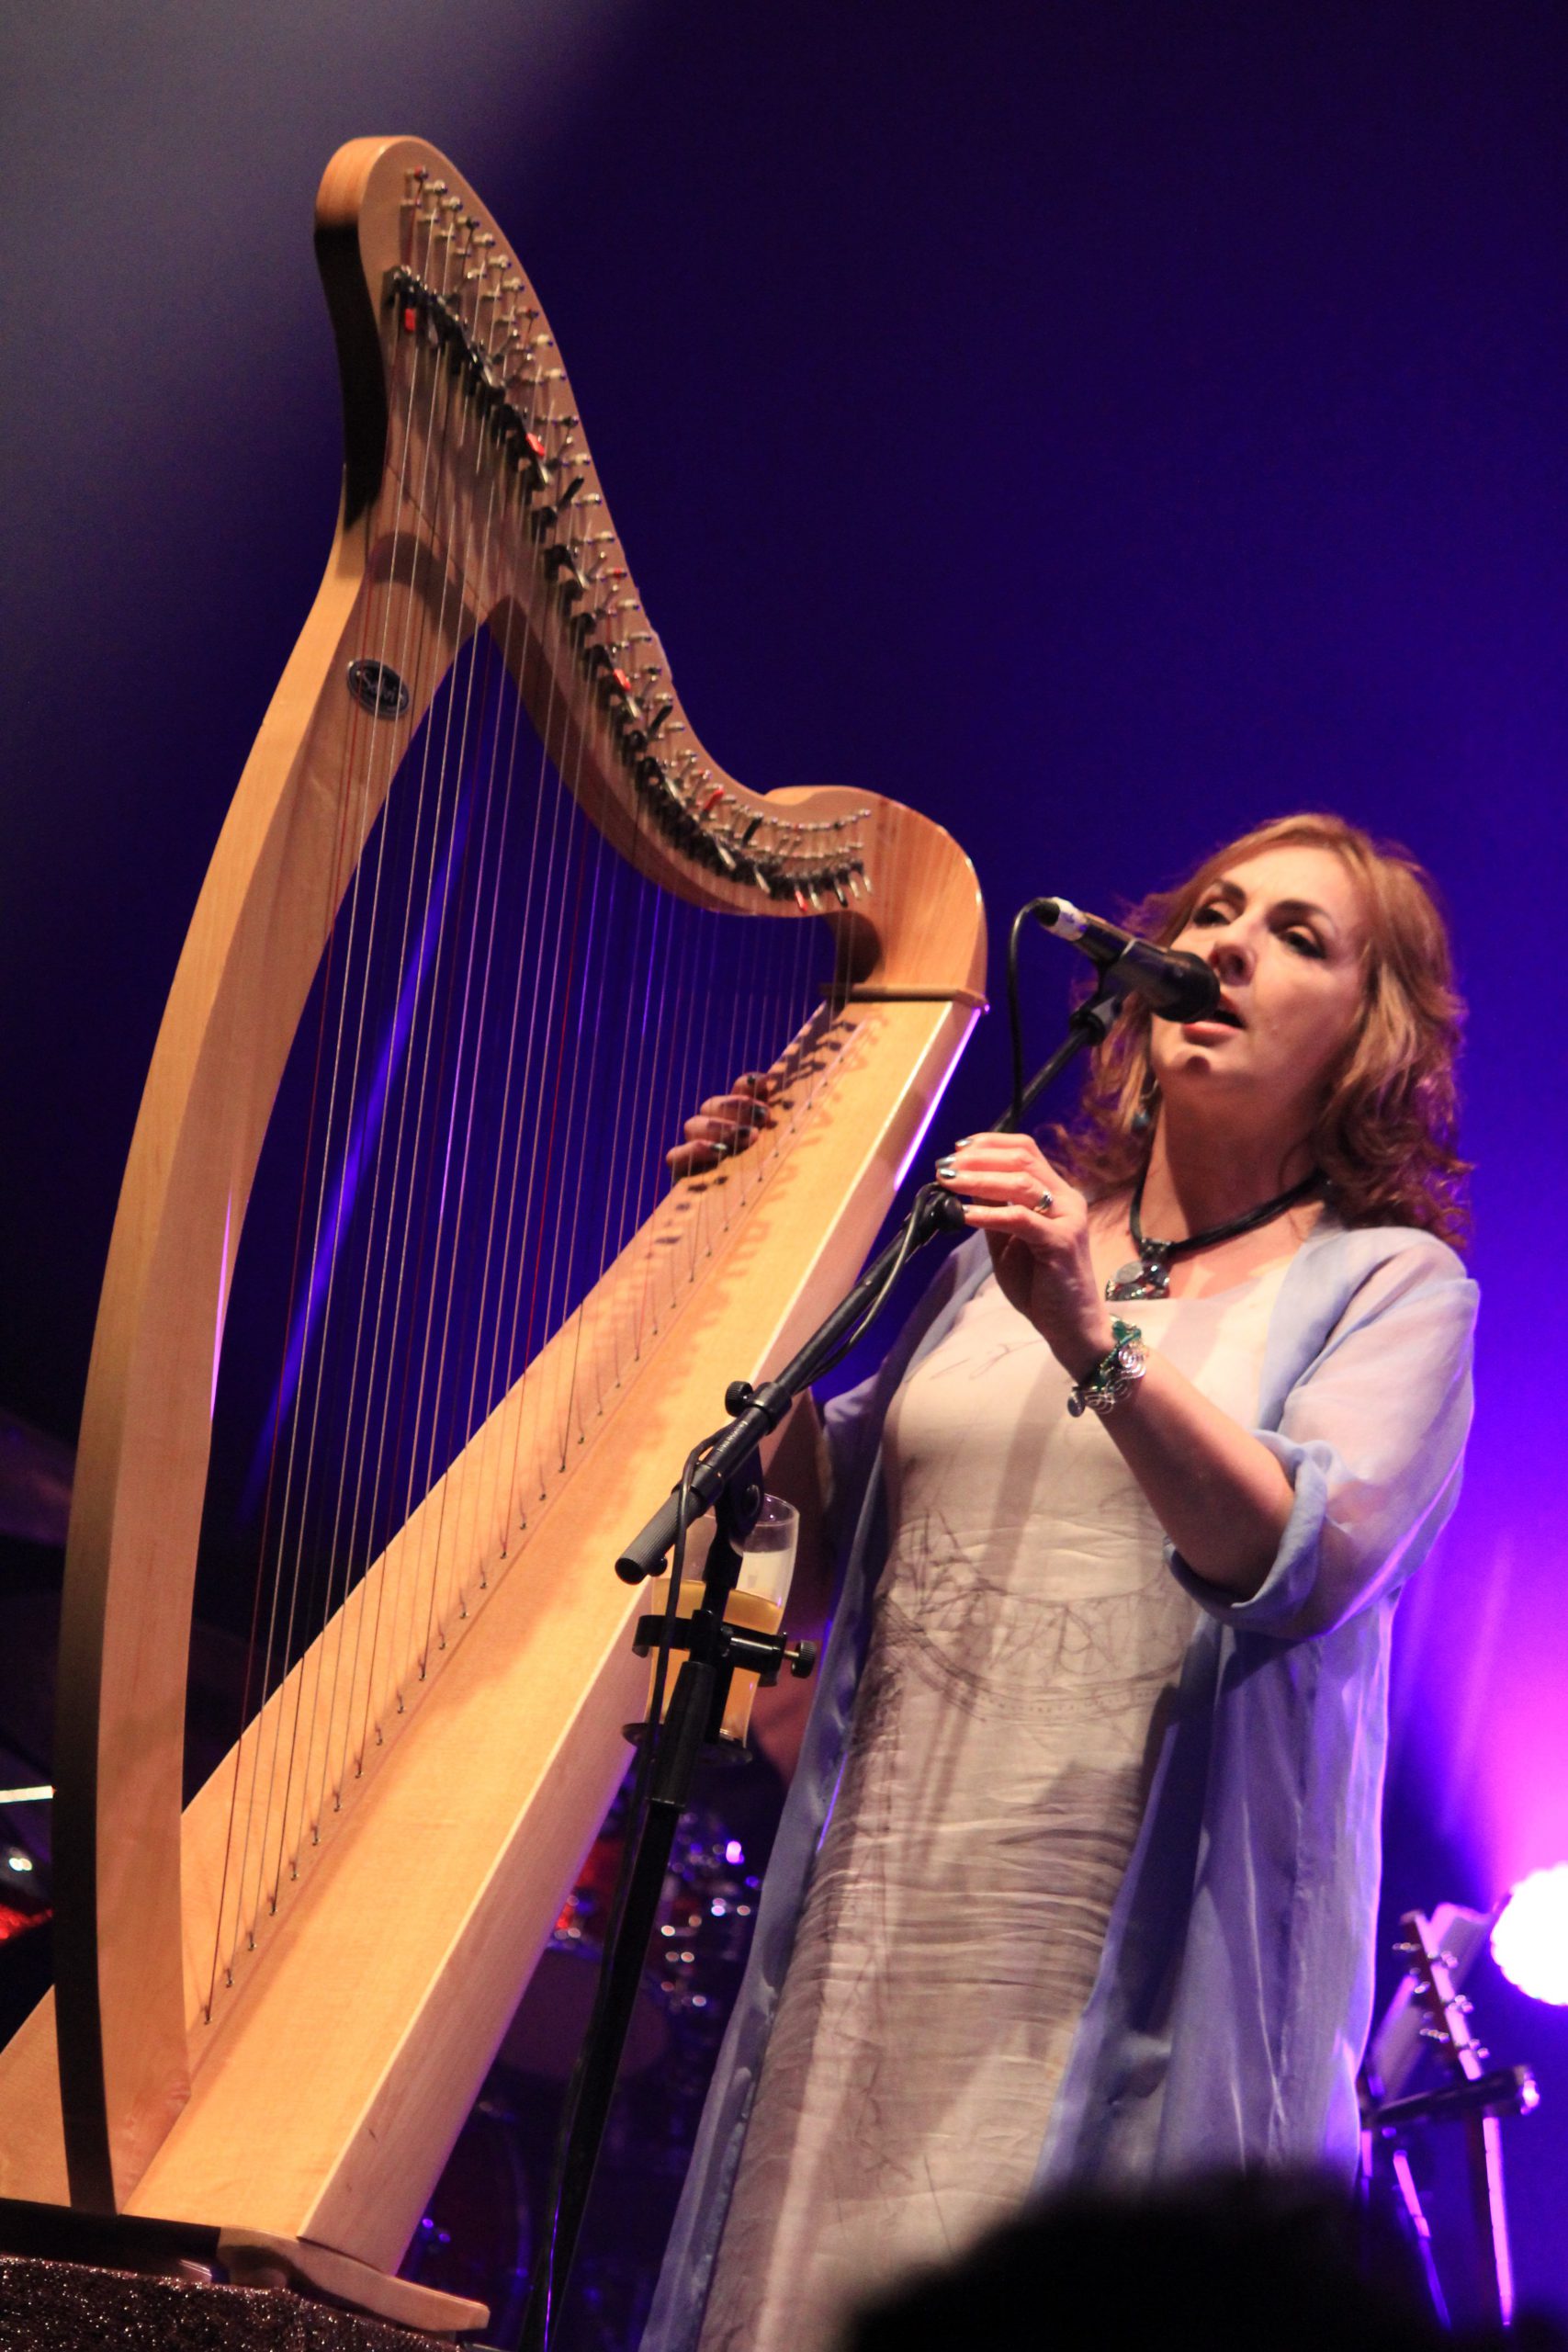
[(1175, 986)]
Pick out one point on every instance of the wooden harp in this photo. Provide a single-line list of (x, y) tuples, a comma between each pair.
[(282, 2044)]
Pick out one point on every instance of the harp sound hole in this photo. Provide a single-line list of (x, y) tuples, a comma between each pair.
[(377, 687)]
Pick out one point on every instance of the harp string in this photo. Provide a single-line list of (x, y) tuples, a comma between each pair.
[(436, 1194), (489, 897), (541, 1143), (512, 1120), (672, 1086), (506, 332), (257, 1682), (566, 1020), (653, 935), (524, 1158), (408, 1442), (273, 1833), (417, 984), (481, 1283), (336, 1590), (569, 1079), (690, 1005), (437, 896), (577, 1157), (594, 1025), (586, 1088), (386, 1438), (363, 1504), (627, 1109)]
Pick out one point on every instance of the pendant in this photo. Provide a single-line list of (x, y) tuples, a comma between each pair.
[(1140, 1278)]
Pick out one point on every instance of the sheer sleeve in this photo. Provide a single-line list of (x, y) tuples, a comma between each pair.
[(1371, 1437)]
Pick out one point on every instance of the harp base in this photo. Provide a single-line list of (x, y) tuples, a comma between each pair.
[(246, 2258)]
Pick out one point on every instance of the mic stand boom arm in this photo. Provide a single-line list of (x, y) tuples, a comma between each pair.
[(726, 1479)]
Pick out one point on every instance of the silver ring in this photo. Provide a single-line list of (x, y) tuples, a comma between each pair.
[(1044, 1205)]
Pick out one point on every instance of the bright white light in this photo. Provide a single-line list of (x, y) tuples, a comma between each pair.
[(19, 1862), (1530, 1942)]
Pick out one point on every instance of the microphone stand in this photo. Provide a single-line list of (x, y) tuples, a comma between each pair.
[(723, 1474)]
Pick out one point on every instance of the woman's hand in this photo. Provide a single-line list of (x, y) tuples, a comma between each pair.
[(727, 1124), (1217, 1491), (723, 1124), (1037, 1226)]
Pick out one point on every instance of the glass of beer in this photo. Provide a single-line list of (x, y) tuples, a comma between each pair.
[(767, 1563)]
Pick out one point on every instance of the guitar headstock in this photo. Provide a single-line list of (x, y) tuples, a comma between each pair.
[(1414, 2022), (1436, 1972), (1429, 2011)]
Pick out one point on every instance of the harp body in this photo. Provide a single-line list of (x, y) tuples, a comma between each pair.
[(315, 2095)]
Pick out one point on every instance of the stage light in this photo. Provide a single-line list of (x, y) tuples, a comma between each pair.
[(1530, 1942)]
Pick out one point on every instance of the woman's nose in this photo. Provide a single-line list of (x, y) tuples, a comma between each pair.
[(1230, 955)]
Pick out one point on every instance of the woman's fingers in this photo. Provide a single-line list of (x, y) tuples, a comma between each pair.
[(1008, 1220), (1036, 1225), (1001, 1155), (735, 1116), (1008, 1172), (1003, 1188), (727, 1124), (724, 1124)]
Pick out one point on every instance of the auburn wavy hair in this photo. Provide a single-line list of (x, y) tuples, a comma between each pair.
[(1385, 1137)]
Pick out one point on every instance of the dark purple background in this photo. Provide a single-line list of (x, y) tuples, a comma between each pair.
[(1101, 425)]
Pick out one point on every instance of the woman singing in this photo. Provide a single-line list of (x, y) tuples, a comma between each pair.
[(1078, 1876)]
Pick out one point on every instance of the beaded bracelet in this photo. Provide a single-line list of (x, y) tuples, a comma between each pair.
[(1115, 1375)]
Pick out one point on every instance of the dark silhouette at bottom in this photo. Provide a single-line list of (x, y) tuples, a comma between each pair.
[(1279, 2264)]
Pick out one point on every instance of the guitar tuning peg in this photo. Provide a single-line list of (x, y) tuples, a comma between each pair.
[(1448, 1960), (1406, 1949)]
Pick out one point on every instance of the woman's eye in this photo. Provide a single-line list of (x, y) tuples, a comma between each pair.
[(1208, 915), (1304, 943)]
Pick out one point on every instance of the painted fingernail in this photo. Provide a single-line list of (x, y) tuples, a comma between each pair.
[(946, 1170)]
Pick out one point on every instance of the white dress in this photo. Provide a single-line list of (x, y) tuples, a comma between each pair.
[(1026, 1632)]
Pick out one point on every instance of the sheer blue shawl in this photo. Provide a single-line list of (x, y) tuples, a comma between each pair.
[(1234, 1993)]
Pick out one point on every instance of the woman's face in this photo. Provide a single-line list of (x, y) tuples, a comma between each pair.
[(1284, 932)]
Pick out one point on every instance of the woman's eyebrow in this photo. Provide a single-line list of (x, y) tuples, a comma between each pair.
[(1293, 908)]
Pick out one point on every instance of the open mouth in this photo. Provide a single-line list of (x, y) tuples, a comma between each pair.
[(1226, 1014)]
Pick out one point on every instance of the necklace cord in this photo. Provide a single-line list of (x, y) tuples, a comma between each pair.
[(1164, 1251)]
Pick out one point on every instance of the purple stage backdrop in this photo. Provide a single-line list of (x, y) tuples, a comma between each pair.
[(1101, 425)]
